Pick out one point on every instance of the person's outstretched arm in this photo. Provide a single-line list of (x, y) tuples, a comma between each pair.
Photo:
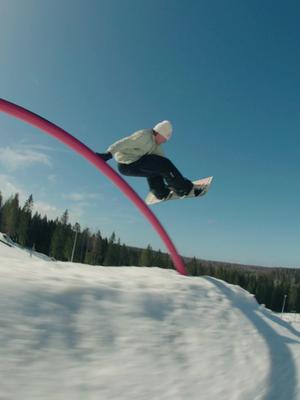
[(105, 156)]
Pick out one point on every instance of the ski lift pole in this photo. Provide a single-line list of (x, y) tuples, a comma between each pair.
[(74, 245), (283, 305)]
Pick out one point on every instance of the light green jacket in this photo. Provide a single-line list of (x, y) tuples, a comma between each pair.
[(133, 147)]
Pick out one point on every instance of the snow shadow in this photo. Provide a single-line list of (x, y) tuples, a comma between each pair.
[(55, 316), (281, 322), (283, 374)]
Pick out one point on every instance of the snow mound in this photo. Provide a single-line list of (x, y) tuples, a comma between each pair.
[(72, 331)]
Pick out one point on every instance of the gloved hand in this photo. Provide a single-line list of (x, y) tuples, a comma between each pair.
[(105, 156)]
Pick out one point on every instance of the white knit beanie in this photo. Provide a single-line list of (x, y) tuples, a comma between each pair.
[(164, 128)]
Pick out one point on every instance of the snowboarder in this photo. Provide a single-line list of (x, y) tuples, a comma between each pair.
[(141, 154)]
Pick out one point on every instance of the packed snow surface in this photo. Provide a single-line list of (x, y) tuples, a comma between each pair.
[(72, 331)]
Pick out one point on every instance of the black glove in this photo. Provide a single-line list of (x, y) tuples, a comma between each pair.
[(105, 156)]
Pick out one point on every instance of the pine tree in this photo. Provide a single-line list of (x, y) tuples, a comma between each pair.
[(38, 235), (99, 249), (89, 254), (10, 215), (83, 240), (293, 296), (111, 256), (47, 228), (61, 243), (104, 250), (118, 247), (192, 267), (134, 257), (124, 255), (158, 259), (95, 252), (24, 221), (168, 262), (147, 257), (67, 235)]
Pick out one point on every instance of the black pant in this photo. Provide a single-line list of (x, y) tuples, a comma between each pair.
[(161, 174)]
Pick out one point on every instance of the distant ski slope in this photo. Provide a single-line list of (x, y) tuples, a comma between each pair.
[(72, 331), (6, 240)]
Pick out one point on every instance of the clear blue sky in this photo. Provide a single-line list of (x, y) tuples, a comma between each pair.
[(226, 73)]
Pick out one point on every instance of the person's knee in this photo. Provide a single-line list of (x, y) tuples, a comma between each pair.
[(166, 164), (123, 169)]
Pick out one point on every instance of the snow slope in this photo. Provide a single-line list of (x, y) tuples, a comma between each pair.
[(6, 240), (71, 331), (292, 318)]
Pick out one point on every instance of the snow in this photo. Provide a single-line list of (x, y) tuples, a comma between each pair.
[(72, 331)]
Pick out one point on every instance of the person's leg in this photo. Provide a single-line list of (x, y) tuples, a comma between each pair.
[(164, 167), (158, 187), (153, 165), (156, 182)]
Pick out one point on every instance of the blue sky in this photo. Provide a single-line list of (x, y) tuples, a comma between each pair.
[(226, 73)]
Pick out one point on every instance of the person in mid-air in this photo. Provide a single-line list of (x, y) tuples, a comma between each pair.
[(141, 154)]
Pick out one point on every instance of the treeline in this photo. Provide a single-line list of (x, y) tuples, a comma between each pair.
[(269, 285), (63, 241), (66, 242)]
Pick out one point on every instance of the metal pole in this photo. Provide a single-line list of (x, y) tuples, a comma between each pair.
[(74, 245), (283, 305)]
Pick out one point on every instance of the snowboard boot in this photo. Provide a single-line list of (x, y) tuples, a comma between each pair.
[(184, 191), (198, 191), (162, 195)]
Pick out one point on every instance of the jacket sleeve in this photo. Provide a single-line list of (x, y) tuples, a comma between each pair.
[(125, 143)]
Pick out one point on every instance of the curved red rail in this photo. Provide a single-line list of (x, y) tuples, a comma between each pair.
[(84, 151)]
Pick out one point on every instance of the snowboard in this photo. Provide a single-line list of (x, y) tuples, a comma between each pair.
[(200, 183)]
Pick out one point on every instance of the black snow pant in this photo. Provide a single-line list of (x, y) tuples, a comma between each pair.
[(161, 173)]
